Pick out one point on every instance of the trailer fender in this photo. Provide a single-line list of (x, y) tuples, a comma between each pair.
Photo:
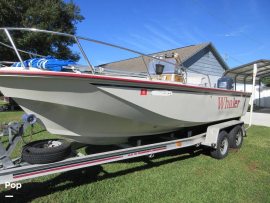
[(212, 132)]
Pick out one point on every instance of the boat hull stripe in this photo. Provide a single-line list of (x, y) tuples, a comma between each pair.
[(109, 78)]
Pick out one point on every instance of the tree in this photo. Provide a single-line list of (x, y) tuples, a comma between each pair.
[(55, 15), (266, 81)]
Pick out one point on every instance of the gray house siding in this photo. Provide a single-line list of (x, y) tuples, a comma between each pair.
[(207, 63)]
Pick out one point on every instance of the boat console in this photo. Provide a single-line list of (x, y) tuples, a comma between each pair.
[(170, 71)]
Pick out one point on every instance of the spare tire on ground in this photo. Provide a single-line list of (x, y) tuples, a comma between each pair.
[(46, 151)]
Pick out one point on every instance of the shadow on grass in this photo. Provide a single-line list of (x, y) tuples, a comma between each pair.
[(32, 190)]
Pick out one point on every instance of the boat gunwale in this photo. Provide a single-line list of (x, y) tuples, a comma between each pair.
[(121, 79)]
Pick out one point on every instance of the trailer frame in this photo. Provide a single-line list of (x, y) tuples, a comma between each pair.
[(18, 171)]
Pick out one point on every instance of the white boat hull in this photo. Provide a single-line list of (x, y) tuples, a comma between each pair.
[(92, 111)]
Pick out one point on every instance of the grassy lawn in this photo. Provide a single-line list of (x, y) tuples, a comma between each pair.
[(243, 176), (2, 102)]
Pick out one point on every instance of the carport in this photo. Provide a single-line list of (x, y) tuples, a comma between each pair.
[(244, 74)]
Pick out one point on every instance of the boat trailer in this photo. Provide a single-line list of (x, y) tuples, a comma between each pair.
[(14, 170)]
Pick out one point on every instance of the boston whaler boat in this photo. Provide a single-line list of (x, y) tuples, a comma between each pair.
[(102, 106)]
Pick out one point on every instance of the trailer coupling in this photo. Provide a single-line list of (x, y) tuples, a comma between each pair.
[(14, 130)]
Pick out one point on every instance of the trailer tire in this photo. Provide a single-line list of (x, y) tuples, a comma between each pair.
[(46, 151), (222, 146), (236, 137)]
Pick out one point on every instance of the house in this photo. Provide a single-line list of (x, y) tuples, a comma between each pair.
[(200, 60)]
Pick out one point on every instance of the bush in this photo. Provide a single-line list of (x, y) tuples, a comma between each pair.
[(266, 81)]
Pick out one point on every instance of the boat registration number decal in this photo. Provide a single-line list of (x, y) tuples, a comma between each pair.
[(161, 93)]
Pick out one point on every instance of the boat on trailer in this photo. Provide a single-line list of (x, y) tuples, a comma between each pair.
[(101, 106)]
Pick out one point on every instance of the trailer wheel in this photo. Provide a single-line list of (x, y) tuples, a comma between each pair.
[(236, 137), (46, 151), (222, 146)]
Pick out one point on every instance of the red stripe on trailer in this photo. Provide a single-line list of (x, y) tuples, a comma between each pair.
[(89, 162), (147, 151), (32, 171), (152, 150), (64, 167)]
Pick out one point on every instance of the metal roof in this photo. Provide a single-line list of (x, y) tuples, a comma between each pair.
[(243, 73)]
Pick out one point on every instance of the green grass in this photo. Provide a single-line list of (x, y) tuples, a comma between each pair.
[(2, 102), (243, 176)]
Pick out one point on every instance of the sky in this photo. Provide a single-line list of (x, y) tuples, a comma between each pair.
[(239, 29)]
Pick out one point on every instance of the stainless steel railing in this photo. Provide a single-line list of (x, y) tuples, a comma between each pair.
[(77, 40)]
